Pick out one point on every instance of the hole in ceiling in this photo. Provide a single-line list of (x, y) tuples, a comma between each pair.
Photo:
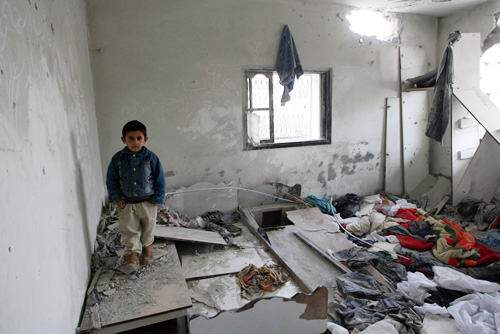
[(369, 23)]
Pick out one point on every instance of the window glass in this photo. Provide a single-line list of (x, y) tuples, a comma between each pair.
[(304, 120)]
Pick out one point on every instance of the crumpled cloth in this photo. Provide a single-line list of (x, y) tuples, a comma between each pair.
[(255, 281), (455, 280), (441, 104), (455, 246), (374, 221), (415, 288), (288, 65), (171, 217), (477, 313)]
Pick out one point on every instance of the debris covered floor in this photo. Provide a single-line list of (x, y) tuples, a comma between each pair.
[(354, 265)]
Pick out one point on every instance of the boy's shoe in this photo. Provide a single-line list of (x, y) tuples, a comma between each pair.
[(132, 260), (147, 254)]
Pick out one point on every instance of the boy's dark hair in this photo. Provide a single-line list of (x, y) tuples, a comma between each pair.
[(134, 126)]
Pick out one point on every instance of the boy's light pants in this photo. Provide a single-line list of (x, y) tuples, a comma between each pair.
[(136, 223)]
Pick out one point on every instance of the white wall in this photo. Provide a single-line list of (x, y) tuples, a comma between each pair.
[(177, 66), (480, 20), (50, 169)]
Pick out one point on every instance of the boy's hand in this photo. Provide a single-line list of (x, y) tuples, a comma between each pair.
[(120, 203)]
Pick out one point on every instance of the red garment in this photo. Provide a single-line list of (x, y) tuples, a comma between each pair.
[(408, 214), (487, 255), (414, 243)]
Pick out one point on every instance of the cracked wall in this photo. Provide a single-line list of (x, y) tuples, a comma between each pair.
[(178, 67)]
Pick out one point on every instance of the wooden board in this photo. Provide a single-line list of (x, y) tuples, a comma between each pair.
[(187, 234), (482, 178), (415, 143), (300, 314), (219, 263), (393, 166), (482, 109), (311, 220), (160, 293)]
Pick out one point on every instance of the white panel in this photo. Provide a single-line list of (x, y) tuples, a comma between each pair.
[(415, 114), (415, 142), (393, 168), (462, 139), (219, 263), (466, 56), (483, 110), (482, 178)]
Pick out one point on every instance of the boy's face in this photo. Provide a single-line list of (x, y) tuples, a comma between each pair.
[(134, 140)]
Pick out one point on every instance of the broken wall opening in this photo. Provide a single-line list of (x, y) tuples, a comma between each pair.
[(272, 217)]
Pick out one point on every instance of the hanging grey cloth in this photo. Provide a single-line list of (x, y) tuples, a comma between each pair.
[(288, 65), (441, 104)]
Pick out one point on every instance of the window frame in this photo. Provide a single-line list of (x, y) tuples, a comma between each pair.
[(325, 117)]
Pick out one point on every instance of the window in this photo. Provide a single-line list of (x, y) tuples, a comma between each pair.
[(304, 120)]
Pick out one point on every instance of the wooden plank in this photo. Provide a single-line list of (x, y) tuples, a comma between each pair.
[(415, 143), (414, 113), (327, 256), (311, 220), (299, 314), (393, 181), (482, 109), (160, 293), (190, 235), (249, 221), (482, 178), (314, 270), (219, 263)]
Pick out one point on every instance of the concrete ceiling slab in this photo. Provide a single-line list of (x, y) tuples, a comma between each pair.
[(435, 8)]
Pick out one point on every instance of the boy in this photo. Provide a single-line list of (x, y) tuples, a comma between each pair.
[(136, 184)]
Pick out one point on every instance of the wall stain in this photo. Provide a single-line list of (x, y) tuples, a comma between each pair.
[(170, 173), (221, 173), (332, 174), (357, 158), (321, 179), (238, 171), (346, 170)]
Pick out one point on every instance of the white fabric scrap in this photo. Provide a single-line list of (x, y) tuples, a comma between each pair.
[(333, 328), (477, 313), (415, 288), (432, 309), (400, 204), (454, 280)]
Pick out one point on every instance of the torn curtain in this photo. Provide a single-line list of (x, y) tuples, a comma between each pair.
[(288, 65), (441, 105)]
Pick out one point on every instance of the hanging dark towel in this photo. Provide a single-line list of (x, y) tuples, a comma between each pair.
[(288, 65), (441, 105)]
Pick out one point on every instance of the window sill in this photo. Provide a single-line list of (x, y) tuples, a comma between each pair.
[(249, 147)]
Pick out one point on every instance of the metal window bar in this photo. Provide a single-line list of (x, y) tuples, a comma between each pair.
[(269, 109)]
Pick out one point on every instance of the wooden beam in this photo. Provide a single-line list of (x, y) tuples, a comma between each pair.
[(327, 256)]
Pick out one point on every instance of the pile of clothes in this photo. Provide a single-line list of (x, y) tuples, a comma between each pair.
[(433, 263)]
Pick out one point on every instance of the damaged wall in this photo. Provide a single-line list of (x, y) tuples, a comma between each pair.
[(50, 176), (480, 19), (177, 66)]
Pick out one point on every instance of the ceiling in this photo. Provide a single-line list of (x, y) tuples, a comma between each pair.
[(435, 8)]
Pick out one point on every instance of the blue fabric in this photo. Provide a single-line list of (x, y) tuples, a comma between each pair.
[(322, 204), (288, 65), (136, 177)]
